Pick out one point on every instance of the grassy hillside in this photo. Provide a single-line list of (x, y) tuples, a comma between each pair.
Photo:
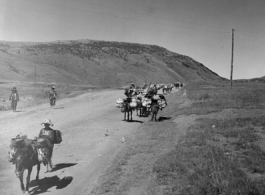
[(98, 63)]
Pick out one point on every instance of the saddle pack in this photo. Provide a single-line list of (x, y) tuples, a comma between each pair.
[(57, 137), (119, 103)]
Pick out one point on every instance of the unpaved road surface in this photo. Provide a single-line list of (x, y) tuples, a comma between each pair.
[(93, 134)]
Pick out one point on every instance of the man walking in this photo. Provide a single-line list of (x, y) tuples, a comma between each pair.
[(48, 134), (14, 97), (52, 96)]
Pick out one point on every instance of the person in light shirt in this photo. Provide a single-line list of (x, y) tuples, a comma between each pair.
[(14, 97)]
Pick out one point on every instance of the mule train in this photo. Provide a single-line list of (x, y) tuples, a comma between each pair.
[(144, 100)]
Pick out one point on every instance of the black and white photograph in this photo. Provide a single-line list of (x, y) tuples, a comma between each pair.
[(132, 97)]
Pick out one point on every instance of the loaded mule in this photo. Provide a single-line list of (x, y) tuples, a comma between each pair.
[(158, 102), (25, 157), (127, 109), (167, 89)]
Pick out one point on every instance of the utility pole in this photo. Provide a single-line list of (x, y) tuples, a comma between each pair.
[(35, 74), (231, 77)]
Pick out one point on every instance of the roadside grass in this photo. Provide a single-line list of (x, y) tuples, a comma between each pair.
[(203, 162), (217, 97), (217, 155)]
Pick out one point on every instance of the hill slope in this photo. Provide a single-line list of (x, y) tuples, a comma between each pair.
[(99, 63)]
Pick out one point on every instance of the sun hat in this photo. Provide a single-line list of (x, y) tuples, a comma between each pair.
[(47, 121), (14, 89), (53, 87)]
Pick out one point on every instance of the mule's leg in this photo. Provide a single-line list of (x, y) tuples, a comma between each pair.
[(124, 116), (144, 111), (131, 115), (38, 171), (28, 179), (21, 182), (49, 165)]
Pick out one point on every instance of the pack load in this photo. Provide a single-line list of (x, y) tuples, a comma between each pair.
[(16, 143), (133, 103), (43, 155), (119, 103), (57, 137), (43, 146), (162, 103), (146, 102), (156, 97)]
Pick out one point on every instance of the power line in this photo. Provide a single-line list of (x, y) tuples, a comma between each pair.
[(144, 14), (135, 19), (111, 15), (191, 33), (220, 49)]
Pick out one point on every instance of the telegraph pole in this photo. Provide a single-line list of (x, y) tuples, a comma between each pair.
[(231, 77), (35, 74)]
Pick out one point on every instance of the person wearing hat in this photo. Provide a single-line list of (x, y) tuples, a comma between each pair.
[(132, 86), (52, 96), (14, 97), (48, 134), (132, 90)]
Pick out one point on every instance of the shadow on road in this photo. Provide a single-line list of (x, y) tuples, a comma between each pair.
[(62, 165), (133, 121), (162, 118), (43, 185)]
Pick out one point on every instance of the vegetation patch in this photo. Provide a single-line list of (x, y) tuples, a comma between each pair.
[(209, 100), (219, 154)]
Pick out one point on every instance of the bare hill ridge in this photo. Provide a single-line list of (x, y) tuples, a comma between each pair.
[(98, 63)]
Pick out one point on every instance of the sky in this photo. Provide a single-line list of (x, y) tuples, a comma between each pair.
[(200, 29)]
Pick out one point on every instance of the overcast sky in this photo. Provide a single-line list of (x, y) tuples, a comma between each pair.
[(200, 29)]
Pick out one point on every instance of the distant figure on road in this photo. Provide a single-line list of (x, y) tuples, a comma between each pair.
[(52, 96), (14, 97)]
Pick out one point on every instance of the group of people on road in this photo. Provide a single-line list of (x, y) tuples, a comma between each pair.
[(14, 97), (46, 134)]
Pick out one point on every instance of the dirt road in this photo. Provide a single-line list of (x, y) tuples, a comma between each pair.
[(93, 131)]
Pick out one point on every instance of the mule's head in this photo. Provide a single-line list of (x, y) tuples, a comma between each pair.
[(22, 159), (11, 154)]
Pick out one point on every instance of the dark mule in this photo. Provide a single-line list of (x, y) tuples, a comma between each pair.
[(154, 110), (140, 108), (26, 158), (127, 109)]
